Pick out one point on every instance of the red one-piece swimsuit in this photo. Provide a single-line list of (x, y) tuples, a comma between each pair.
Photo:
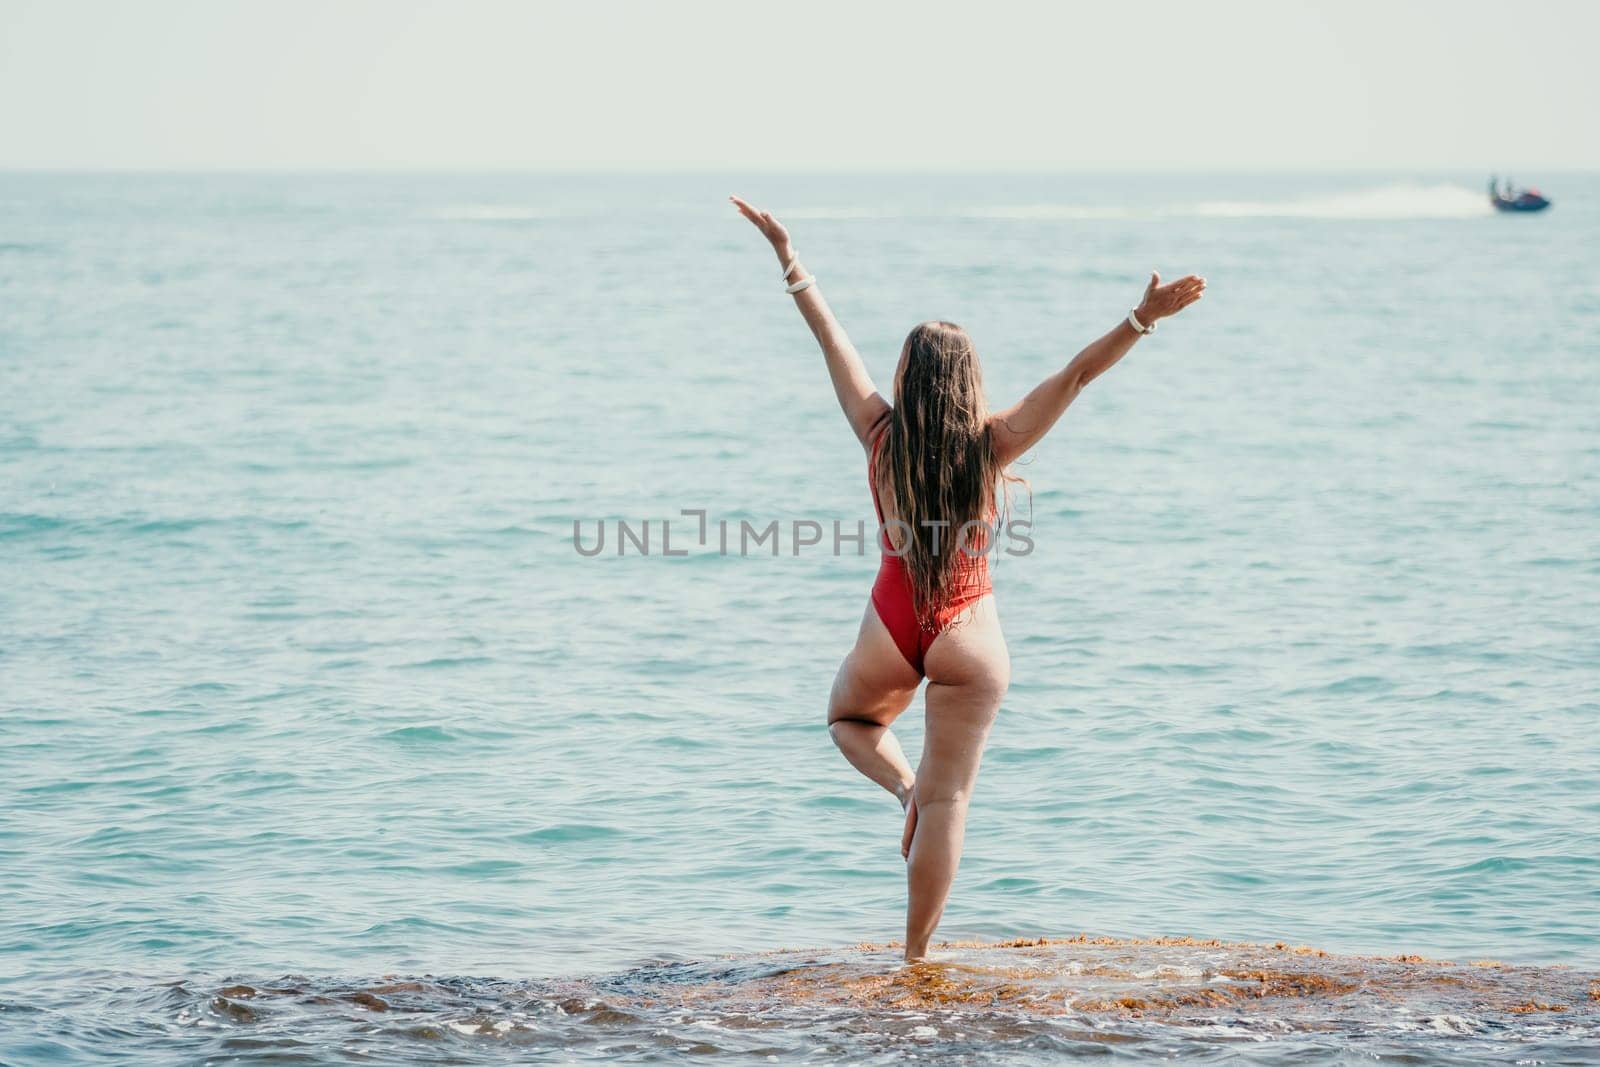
[(892, 594)]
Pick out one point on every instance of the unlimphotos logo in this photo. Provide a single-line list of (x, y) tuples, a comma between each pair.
[(745, 538)]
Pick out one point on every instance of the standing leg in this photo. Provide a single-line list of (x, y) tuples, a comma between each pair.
[(968, 671)]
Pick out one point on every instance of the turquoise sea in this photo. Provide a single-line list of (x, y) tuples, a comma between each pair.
[(320, 742)]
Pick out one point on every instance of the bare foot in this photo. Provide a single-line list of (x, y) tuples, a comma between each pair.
[(911, 824)]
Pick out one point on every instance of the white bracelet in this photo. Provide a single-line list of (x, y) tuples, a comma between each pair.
[(803, 283), (791, 266), (1133, 320)]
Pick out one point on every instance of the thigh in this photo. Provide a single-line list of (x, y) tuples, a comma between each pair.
[(969, 669), (874, 683)]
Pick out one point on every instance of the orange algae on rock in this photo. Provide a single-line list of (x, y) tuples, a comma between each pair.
[(1290, 984), (1530, 1006), (1158, 976)]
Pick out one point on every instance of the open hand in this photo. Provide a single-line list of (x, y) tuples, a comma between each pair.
[(770, 227), (1161, 301)]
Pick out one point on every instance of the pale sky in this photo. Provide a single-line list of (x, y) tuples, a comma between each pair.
[(799, 84)]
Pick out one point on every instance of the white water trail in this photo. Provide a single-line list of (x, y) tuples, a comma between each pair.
[(1408, 201)]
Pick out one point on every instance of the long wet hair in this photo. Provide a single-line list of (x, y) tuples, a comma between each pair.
[(937, 463)]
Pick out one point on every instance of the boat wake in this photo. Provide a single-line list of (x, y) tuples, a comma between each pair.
[(1385, 202), (1017, 1001)]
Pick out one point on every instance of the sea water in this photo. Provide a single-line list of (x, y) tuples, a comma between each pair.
[(321, 739)]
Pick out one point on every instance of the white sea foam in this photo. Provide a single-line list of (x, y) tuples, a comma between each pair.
[(1170, 970), (1452, 1024)]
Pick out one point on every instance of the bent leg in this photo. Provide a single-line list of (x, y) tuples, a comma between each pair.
[(873, 686), (968, 671)]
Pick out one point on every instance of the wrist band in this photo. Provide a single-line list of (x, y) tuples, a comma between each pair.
[(1133, 320), (791, 266), (803, 283)]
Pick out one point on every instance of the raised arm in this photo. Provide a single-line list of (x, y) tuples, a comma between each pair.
[(1019, 427), (859, 398)]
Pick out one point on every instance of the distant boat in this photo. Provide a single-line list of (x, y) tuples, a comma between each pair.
[(1508, 197)]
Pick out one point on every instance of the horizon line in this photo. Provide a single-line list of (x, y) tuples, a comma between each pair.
[(772, 170)]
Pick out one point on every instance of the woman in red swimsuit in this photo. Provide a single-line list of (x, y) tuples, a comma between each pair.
[(936, 464)]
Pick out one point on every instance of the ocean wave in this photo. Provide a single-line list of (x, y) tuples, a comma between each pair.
[(846, 213), (490, 213), (1029, 1001), (1025, 212)]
